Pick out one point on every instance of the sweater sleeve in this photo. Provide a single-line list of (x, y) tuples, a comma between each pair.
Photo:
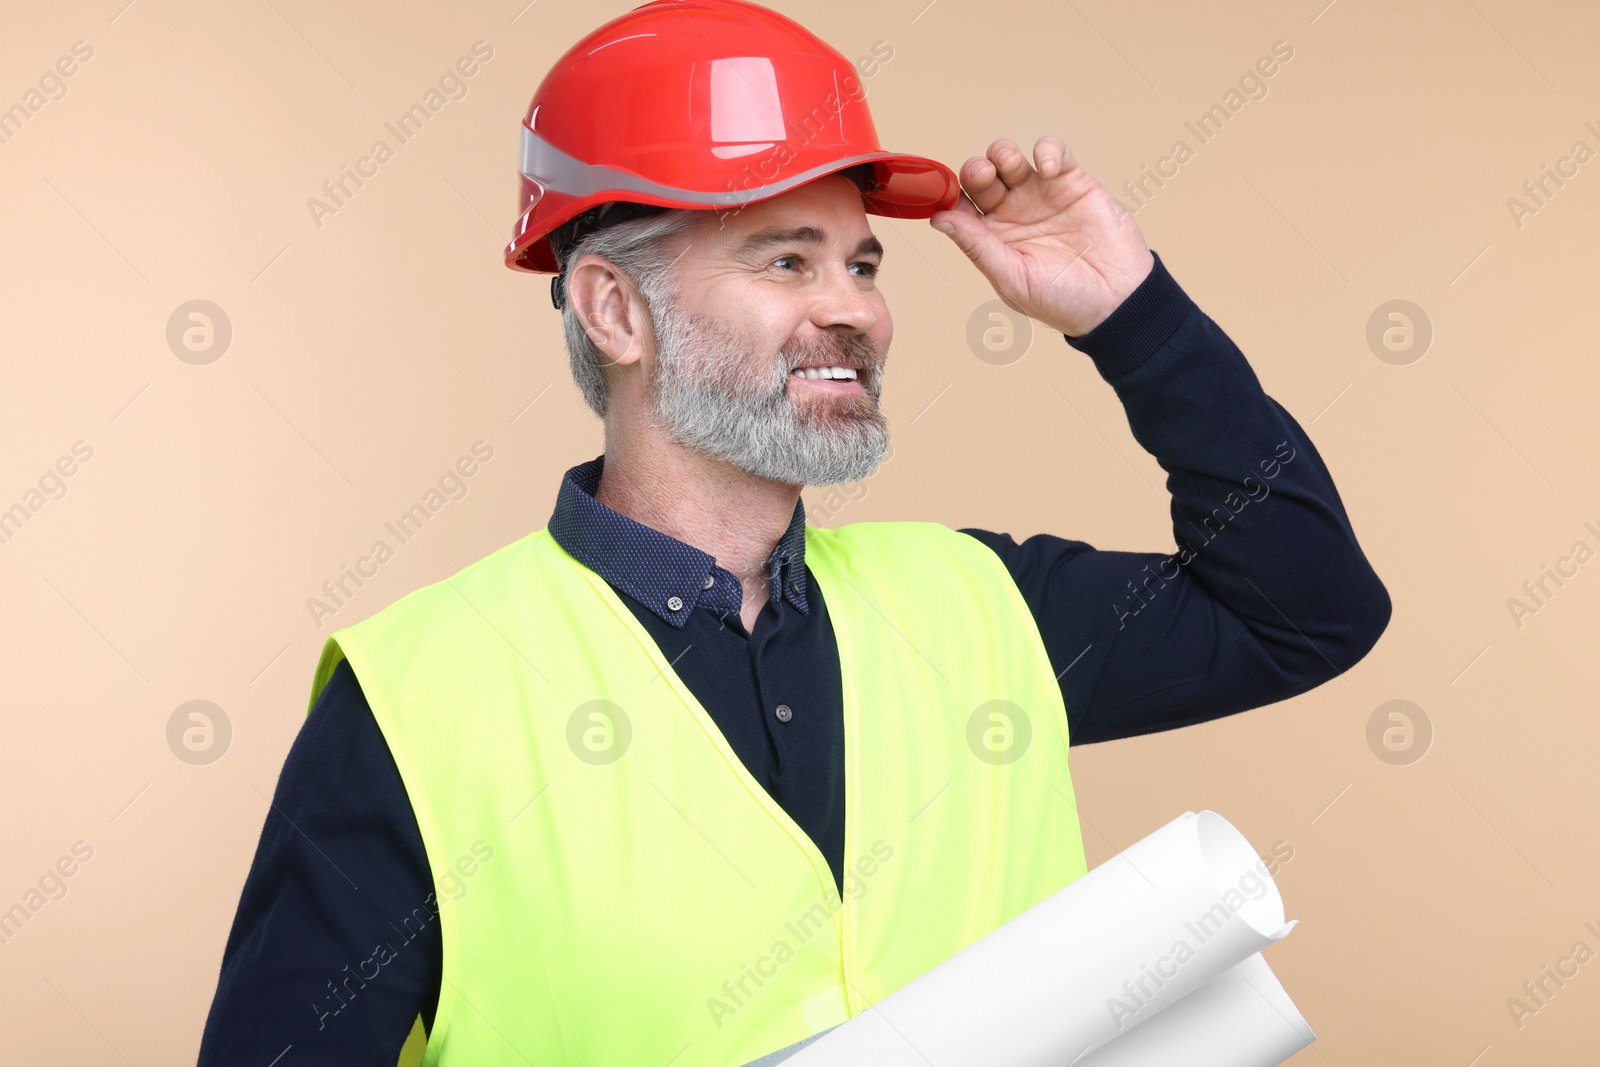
[(1266, 593), (321, 958)]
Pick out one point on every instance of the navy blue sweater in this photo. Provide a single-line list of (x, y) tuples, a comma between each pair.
[(1265, 595)]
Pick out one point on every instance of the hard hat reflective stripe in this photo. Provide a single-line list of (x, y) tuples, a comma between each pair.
[(551, 168)]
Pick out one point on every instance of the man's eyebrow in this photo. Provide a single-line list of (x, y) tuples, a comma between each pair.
[(808, 235)]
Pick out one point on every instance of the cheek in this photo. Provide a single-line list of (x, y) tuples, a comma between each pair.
[(881, 335), (767, 334), (758, 316), (882, 331)]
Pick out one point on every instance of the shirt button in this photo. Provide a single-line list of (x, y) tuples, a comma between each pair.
[(784, 713), (709, 582), (674, 603)]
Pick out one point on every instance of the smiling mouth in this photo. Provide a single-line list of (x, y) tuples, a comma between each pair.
[(840, 381), (834, 373)]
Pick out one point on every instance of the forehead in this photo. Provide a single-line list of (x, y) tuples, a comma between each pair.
[(825, 211)]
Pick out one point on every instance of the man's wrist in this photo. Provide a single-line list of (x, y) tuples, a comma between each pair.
[(1139, 326)]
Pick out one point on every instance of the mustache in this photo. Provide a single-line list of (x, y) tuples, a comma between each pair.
[(844, 350)]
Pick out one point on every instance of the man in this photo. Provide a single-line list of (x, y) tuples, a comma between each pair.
[(679, 779)]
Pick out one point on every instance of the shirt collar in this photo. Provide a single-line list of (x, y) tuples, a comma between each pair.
[(656, 569)]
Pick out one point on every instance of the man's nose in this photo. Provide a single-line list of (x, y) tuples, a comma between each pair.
[(842, 302)]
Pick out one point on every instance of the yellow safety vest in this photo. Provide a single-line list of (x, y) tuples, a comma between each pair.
[(611, 883)]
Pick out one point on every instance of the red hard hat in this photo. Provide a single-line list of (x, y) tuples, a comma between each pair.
[(708, 104)]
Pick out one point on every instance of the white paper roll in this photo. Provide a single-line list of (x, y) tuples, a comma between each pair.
[(1097, 960), (1241, 1018)]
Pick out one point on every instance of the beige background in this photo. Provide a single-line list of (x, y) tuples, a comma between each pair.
[(370, 353)]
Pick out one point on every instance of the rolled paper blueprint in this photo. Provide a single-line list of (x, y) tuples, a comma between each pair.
[(1092, 962), (1241, 1018)]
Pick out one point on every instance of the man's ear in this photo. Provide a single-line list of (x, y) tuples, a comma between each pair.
[(611, 309)]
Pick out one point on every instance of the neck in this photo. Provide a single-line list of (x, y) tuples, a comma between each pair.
[(708, 503)]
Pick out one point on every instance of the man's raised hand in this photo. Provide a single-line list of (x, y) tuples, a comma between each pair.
[(1054, 243)]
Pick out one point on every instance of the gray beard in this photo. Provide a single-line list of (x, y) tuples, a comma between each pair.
[(709, 398)]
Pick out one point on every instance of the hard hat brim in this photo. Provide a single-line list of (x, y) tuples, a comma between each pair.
[(904, 187)]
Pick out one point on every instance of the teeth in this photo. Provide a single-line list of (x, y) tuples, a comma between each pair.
[(839, 373)]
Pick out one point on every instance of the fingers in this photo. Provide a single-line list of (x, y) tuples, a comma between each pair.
[(982, 183), (988, 178), (1014, 168), (1052, 156), (973, 236)]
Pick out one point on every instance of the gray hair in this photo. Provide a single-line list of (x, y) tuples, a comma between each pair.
[(638, 249)]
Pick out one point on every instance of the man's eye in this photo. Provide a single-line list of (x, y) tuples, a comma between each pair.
[(870, 269)]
